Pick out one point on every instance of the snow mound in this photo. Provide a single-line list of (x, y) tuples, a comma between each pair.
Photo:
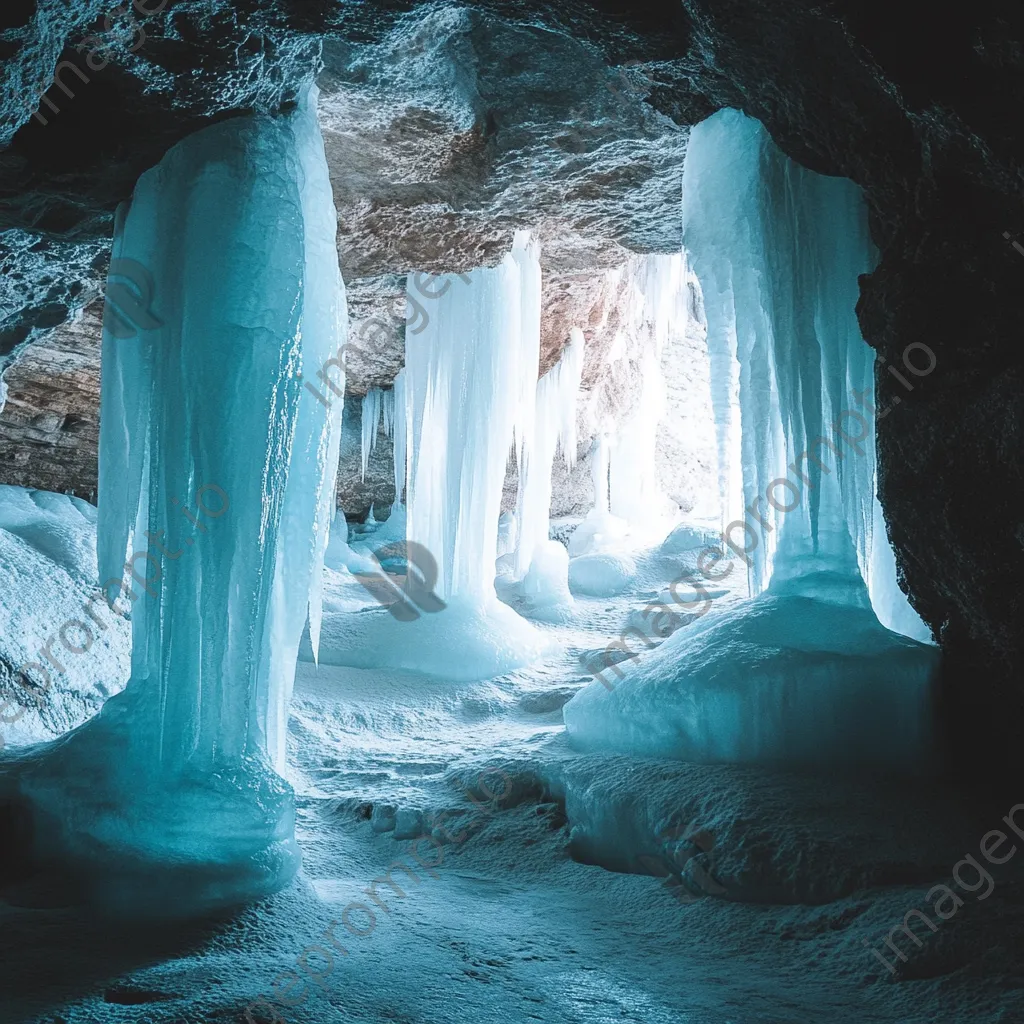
[(745, 834), (61, 656), (464, 641), (688, 537), (601, 575), (59, 526)]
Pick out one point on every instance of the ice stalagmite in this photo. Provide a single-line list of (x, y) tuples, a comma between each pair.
[(217, 472), (805, 671), (471, 380)]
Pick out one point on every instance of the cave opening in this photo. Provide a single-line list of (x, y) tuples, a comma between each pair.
[(453, 521)]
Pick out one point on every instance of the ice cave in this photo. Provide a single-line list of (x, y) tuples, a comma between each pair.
[(509, 513)]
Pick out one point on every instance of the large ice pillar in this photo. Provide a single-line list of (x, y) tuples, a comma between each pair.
[(778, 250), (217, 473), (471, 378), (806, 671)]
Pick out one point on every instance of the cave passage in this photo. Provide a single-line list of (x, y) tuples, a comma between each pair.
[(511, 625)]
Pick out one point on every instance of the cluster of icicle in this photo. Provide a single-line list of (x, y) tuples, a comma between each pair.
[(778, 250), (378, 410), (471, 388)]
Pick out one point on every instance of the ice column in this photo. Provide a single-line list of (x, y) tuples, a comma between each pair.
[(217, 478), (656, 311), (554, 428), (400, 433), (471, 377), (778, 250)]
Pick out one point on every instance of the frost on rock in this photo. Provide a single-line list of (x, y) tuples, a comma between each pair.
[(799, 672), (217, 472)]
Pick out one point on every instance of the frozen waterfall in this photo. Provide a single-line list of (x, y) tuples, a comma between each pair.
[(471, 380), (804, 670), (217, 473)]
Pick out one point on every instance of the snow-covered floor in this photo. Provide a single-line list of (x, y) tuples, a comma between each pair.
[(519, 921)]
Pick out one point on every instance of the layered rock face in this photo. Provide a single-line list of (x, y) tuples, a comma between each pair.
[(450, 125)]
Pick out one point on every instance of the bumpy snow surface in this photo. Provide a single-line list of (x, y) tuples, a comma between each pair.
[(62, 651)]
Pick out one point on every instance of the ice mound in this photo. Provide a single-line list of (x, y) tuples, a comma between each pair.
[(464, 642), (546, 585), (689, 537), (63, 652), (782, 678), (601, 575), (599, 531), (59, 526)]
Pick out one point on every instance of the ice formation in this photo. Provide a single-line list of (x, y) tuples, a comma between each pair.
[(469, 387), (778, 250), (656, 310), (554, 428), (471, 380), (217, 473), (799, 672)]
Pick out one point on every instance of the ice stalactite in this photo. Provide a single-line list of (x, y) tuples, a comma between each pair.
[(778, 250), (554, 430), (373, 408), (471, 378), (805, 671), (217, 474)]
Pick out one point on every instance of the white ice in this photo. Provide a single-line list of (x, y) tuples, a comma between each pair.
[(470, 389)]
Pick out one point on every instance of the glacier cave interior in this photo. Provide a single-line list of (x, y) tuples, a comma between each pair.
[(498, 512)]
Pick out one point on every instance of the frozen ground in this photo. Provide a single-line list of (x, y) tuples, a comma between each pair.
[(538, 908)]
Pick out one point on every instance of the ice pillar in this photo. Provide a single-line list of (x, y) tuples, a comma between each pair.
[(778, 250), (470, 378), (217, 473), (554, 428)]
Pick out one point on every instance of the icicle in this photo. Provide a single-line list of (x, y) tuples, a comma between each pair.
[(471, 379), (372, 407)]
